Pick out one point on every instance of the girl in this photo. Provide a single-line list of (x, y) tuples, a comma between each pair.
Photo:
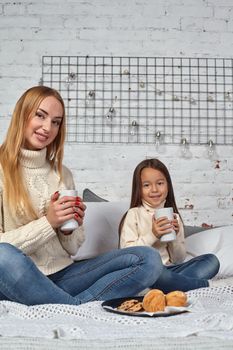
[(152, 188), (35, 263)]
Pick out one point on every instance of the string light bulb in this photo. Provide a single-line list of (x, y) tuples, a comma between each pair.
[(110, 114), (70, 80), (184, 148), (133, 128), (90, 100), (157, 140), (211, 150), (159, 144)]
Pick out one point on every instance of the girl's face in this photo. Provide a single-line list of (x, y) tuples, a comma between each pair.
[(154, 187), (43, 127)]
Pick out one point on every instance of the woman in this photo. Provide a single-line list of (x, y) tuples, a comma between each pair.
[(35, 263)]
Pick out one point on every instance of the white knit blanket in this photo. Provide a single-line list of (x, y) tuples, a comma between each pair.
[(211, 316)]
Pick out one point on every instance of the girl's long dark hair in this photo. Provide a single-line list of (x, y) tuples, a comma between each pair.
[(136, 194)]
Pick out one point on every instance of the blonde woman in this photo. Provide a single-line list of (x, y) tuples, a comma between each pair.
[(35, 263)]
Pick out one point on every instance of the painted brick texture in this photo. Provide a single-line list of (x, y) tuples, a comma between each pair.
[(182, 28)]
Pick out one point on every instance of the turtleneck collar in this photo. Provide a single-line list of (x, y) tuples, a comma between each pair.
[(33, 159), (149, 207)]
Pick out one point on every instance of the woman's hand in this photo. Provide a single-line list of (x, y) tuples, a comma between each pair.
[(65, 208), (162, 226)]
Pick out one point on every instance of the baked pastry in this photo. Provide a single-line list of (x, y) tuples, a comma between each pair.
[(154, 301), (176, 298)]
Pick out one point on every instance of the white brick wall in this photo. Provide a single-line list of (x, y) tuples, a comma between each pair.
[(198, 28)]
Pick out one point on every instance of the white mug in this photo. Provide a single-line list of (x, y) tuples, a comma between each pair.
[(71, 224), (168, 212)]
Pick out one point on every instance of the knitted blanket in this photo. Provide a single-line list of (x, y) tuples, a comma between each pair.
[(210, 319)]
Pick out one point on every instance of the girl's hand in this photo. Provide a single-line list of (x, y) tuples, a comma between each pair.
[(175, 224), (161, 226), (65, 208)]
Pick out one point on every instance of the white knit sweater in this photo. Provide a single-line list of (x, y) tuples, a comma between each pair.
[(48, 248), (137, 231)]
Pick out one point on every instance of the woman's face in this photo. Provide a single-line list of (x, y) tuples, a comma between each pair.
[(43, 127), (154, 187)]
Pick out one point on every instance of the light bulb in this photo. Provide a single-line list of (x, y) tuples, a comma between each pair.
[(184, 148), (228, 96), (142, 84), (133, 128), (211, 150), (70, 80), (90, 100), (157, 140), (192, 101), (126, 71), (109, 115)]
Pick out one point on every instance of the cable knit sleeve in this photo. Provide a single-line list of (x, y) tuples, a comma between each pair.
[(35, 234), (136, 231), (176, 248), (71, 243), (27, 237)]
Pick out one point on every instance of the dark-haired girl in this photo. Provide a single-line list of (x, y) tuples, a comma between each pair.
[(152, 188)]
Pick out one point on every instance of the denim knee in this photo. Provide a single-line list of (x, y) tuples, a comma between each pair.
[(209, 266), (152, 262), (6, 251), (214, 262), (11, 258)]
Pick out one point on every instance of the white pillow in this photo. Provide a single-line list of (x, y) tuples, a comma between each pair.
[(218, 241), (101, 228)]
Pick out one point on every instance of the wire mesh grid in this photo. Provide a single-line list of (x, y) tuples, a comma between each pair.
[(136, 99)]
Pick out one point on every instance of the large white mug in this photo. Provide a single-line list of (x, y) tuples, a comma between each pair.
[(71, 224), (168, 212)]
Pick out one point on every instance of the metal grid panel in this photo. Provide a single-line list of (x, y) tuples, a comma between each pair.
[(130, 99)]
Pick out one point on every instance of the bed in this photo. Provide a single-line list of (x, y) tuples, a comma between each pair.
[(208, 324)]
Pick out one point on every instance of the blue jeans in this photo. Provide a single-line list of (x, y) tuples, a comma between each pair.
[(119, 273), (192, 274)]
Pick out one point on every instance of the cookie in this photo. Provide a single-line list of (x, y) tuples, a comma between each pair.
[(136, 307), (127, 304)]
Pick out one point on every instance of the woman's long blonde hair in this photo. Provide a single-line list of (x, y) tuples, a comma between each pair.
[(26, 107)]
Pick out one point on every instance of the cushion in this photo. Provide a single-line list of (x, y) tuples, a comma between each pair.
[(101, 228), (89, 196), (218, 241), (190, 230)]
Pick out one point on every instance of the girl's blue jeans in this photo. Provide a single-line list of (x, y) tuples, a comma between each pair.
[(192, 274), (119, 273)]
